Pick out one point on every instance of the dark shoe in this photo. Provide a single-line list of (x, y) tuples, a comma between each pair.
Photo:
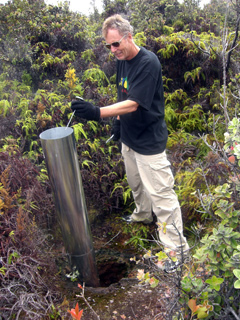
[(171, 266), (129, 219)]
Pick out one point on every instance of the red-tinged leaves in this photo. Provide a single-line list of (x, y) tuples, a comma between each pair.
[(75, 313), (232, 159), (192, 303)]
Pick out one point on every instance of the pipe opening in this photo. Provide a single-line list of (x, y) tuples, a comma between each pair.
[(56, 133)]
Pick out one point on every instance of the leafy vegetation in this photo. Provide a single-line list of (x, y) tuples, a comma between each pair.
[(48, 56)]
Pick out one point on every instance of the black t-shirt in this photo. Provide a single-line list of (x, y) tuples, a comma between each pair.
[(140, 80)]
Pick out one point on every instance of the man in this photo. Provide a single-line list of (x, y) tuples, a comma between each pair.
[(141, 126)]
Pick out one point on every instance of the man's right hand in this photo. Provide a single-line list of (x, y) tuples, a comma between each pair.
[(85, 110)]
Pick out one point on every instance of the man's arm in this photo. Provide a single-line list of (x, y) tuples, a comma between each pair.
[(118, 109), (86, 110)]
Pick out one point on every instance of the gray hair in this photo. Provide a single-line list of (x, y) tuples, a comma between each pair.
[(116, 22)]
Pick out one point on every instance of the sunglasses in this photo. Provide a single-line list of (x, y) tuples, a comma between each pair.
[(115, 44)]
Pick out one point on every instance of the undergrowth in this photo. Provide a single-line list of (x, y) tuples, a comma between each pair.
[(26, 212), (50, 63)]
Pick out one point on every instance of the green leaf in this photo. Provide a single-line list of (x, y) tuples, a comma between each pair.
[(154, 282), (186, 284), (202, 313), (236, 272), (2, 270), (215, 283), (161, 255), (237, 284)]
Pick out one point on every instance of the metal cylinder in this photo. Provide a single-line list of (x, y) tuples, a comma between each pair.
[(60, 154)]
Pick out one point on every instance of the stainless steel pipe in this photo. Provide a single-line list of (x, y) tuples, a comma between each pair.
[(60, 154)]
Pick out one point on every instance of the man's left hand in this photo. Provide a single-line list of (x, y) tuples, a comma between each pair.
[(85, 110), (116, 130)]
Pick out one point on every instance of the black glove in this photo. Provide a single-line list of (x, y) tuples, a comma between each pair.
[(85, 110), (116, 130)]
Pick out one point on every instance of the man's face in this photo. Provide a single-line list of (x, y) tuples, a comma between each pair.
[(125, 49)]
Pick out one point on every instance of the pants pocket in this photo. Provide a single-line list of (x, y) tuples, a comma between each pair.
[(162, 176)]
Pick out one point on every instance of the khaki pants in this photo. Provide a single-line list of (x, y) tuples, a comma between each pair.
[(152, 182)]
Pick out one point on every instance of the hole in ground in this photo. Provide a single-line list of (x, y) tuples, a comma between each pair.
[(112, 272), (113, 265)]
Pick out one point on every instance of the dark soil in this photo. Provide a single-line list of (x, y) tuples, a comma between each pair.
[(121, 295)]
